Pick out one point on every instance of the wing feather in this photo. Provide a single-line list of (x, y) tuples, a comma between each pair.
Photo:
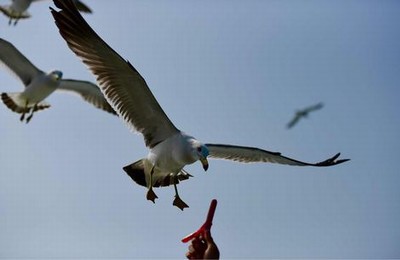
[(122, 85), (88, 91), (251, 154)]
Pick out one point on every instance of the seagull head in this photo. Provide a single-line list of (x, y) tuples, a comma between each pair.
[(56, 74), (201, 153)]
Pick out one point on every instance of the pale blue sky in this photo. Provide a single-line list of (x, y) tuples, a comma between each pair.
[(226, 72)]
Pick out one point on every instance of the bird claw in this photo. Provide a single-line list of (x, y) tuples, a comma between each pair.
[(179, 203), (151, 195)]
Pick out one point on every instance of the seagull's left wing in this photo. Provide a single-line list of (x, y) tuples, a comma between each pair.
[(88, 91), (251, 154), (122, 85)]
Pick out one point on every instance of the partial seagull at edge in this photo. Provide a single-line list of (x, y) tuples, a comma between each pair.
[(39, 85), (18, 9)]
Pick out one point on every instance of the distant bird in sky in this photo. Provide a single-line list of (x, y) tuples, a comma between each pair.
[(127, 92), (39, 85), (18, 9), (303, 114)]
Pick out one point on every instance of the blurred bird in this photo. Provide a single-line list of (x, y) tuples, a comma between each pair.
[(18, 9), (39, 85), (127, 92), (303, 113)]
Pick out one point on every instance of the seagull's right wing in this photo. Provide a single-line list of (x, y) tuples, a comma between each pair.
[(251, 154), (122, 85), (17, 62)]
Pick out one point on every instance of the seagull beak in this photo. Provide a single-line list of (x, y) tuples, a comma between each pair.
[(204, 162)]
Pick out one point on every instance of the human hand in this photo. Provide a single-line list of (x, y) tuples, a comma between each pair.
[(203, 247)]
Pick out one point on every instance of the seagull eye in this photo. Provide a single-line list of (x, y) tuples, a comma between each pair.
[(199, 149)]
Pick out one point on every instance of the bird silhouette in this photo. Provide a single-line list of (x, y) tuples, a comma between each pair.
[(303, 114)]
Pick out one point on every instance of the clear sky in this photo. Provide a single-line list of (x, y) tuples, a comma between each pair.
[(225, 72)]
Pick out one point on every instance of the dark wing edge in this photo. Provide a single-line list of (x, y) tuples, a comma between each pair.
[(252, 155)]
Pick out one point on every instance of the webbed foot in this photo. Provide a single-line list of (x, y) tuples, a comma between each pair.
[(179, 203), (151, 195)]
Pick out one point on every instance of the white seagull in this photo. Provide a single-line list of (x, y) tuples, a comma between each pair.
[(18, 9), (127, 92), (303, 114), (39, 85)]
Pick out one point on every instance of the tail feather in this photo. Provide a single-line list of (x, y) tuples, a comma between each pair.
[(137, 173), (13, 102)]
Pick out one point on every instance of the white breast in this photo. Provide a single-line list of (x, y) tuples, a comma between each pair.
[(172, 154), (40, 88)]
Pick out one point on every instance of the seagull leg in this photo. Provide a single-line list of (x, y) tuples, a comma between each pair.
[(178, 201), (22, 116), (150, 193), (25, 111), (31, 115)]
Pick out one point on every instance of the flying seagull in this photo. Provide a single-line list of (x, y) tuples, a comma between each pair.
[(127, 92), (303, 114), (18, 9), (39, 85)]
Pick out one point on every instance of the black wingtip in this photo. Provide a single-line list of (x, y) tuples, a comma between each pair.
[(342, 161), (332, 161)]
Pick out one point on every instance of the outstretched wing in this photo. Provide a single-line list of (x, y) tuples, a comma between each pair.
[(251, 154), (17, 62), (122, 85), (88, 91)]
